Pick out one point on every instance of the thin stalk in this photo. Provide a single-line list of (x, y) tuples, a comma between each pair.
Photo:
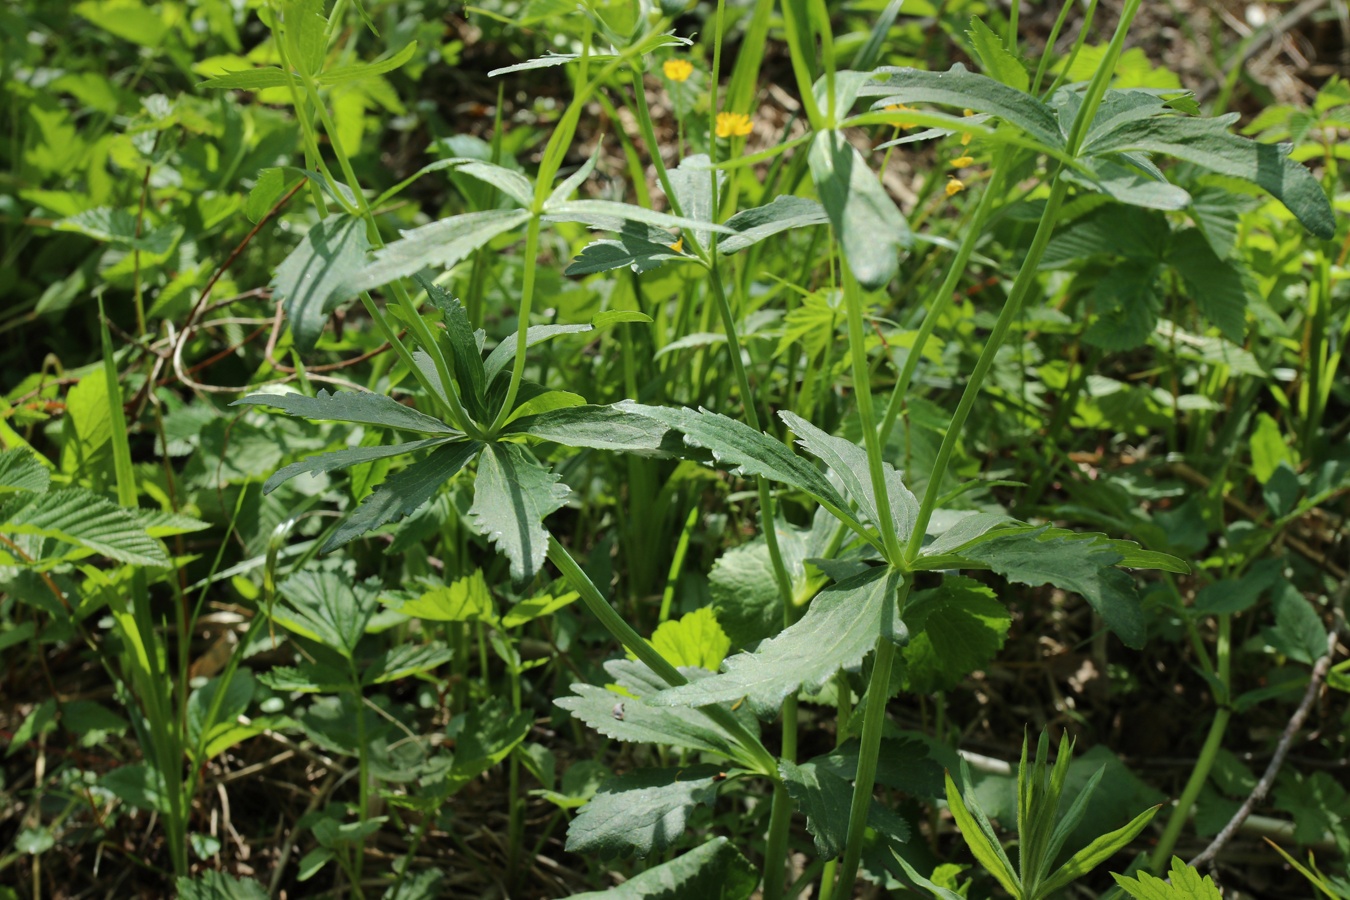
[(862, 392), (943, 300), (153, 686), (677, 563), (1158, 861), (874, 718), (1026, 278), (421, 331), (554, 153)]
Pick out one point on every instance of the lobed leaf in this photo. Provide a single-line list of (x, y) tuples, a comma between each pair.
[(642, 812), (313, 279), (1209, 144), (342, 459), (714, 871), (599, 428), (355, 407), (403, 492), (625, 714), (513, 494), (849, 461), (781, 214), (504, 352), (443, 244), (737, 446), (839, 629), (826, 800), (966, 90)]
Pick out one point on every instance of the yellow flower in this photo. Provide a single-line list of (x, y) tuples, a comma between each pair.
[(954, 187), (962, 161), (733, 125), (967, 113), (678, 246), (965, 139), (677, 69)]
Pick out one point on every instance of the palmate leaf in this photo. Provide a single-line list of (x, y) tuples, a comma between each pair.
[(642, 812), (356, 407), (866, 221), (640, 252), (1215, 284), (714, 871), (1127, 185), (903, 764), (628, 717), (1209, 144), (92, 524), (603, 213), (404, 661), (508, 181), (849, 462), (20, 472), (694, 640), (342, 459), (744, 594), (312, 280), (825, 800), (489, 734), (737, 446), (692, 181), (403, 492), (513, 494), (838, 631), (465, 599)]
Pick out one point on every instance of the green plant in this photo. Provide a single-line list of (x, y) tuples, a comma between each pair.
[(1041, 829), (797, 447)]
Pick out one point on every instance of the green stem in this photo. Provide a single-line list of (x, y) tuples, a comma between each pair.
[(677, 563), (1026, 278), (776, 844), (1208, 752), (522, 319), (552, 159), (421, 331), (874, 718), (862, 392), (943, 300)]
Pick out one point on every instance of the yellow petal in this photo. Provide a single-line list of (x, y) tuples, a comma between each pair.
[(677, 69), (954, 187)]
